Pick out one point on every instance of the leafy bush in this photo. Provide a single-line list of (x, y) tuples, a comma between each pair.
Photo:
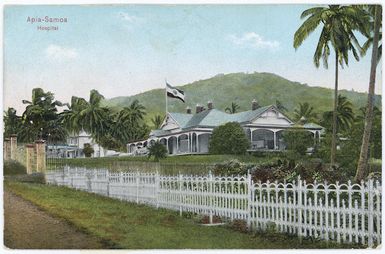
[(289, 170), (298, 140), (12, 167), (229, 138), (88, 150), (157, 150), (31, 178), (232, 167)]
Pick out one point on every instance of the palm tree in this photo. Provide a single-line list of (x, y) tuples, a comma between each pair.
[(137, 110), (304, 111), (93, 116), (233, 108), (345, 115), (12, 122), (369, 42), (71, 116), (40, 117), (363, 159), (338, 24), (157, 121), (128, 124), (88, 116)]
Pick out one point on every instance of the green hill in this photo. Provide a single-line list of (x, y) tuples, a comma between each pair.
[(242, 88)]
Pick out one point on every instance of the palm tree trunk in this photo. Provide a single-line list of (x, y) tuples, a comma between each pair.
[(363, 160), (334, 135)]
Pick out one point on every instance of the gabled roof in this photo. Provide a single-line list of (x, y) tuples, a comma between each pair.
[(312, 126), (209, 118), (248, 115), (180, 118), (215, 117)]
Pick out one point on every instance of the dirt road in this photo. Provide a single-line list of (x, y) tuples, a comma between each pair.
[(28, 227)]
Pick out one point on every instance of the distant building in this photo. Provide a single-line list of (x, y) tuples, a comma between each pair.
[(82, 138), (187, 133), (74, 147)]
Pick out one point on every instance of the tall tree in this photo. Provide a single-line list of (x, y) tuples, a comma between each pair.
[(89, 116), (40, 118), (345, 115), (12, 122), (363, 159), (369, 42), (306, 111), (128, 124), (71, 116), (157, 121), (94, 116), (338, 26)]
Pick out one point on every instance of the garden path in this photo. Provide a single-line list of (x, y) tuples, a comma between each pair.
[(28, 227)]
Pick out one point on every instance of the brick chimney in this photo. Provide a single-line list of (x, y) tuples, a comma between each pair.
[(210, 105), (198, 108), (254, 105), (188, 110)]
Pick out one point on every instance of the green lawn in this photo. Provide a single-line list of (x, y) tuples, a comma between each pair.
[(189, 164), (131, 226), (182, 159)]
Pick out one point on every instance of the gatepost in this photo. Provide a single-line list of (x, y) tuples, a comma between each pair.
[(7, 149), (13, 148), (30, 158), (40, 155)]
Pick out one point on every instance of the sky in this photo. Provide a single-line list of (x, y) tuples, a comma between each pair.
[(122, 50)]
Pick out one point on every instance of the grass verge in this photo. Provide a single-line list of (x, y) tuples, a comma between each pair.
[(131, 226), (186, 164)]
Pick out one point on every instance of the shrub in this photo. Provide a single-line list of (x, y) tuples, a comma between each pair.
[(12, 167), (232, 167), (31, 178), (298, 140), (289, 170), (229, 138), (88, 150), (157, 150)]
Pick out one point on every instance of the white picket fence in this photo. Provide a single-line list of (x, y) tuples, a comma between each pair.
[(349, 213)]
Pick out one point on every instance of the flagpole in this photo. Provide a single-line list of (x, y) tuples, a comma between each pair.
[(166, 96)]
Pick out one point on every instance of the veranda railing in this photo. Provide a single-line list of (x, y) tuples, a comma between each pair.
[(340, 212)]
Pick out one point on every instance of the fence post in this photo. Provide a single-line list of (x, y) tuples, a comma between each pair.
[(137, 187), (249, 199), (326, 189), (72, 178), (157, 183), (299, 207), (89, 181), (209, 189), (370, 213), (108, 183), (180, 193)]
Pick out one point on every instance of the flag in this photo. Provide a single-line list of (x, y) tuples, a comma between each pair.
[(174, 92)]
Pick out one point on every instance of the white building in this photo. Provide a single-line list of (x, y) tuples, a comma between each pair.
[(190, 133), (79, 140)]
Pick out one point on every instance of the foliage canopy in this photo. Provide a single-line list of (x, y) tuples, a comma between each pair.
[(229, 138)]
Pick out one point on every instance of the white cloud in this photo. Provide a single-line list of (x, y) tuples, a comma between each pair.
[(129, 18), (59, 53), (253, 40)]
